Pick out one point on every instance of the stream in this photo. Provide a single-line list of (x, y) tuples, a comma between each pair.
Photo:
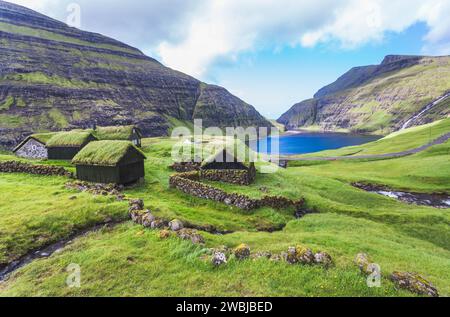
[(50, 249), (430, 200), (424, 110)]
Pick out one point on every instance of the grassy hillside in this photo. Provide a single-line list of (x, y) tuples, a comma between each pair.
[(407, 139), (130, 261), (382, 102)]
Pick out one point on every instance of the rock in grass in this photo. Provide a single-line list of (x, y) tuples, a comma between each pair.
[(363, 262), (176, 225), (300, 254), (324, 259), (136, 204), (414, 283), (190, 234), (147, 218), (157, 224), (164, 234), (263, 254), (218, 259), (242, 252)]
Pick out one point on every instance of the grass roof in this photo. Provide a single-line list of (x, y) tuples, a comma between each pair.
[(105, 153), (44, 137), (231, 153), (115, 133), (69, 139), (41, 137)]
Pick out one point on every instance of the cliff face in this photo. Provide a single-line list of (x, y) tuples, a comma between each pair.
[(56, 77), (377, 98)]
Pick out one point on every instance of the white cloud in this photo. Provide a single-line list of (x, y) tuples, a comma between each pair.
[(191, 35), (227, 28)]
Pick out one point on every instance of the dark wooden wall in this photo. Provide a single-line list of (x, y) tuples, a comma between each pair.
[(62, 153), (123, 174)]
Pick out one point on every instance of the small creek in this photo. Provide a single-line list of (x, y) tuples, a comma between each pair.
[(50, 249), (431, 200)]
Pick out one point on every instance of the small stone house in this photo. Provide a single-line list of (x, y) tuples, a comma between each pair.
[(33, 147), (116, 162), (65, 145), (225, 166), (122, 133)]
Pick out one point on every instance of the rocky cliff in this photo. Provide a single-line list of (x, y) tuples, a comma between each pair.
[(378, 98), (55, 77)]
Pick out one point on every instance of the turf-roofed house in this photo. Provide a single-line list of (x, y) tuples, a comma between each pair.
[(65, 145), (118, 162), (124, 133), (34, 146), (226, 166)]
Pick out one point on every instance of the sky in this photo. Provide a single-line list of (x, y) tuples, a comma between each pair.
[(270, 53)]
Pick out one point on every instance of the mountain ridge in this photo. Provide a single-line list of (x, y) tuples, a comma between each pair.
[(55, 77), (377, 98)]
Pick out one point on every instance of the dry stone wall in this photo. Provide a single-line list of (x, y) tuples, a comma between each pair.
[(237, 177), (21, 167), (189, 183)]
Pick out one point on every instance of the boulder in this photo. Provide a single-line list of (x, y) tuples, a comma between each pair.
[(136, 204), (190, 234), (147, 219), (157, 224), (363, 262), (164, 234), (263, 254), (324, 259), (176, 225), (415, 283), (218, 259), (242, 252), (300, 254)]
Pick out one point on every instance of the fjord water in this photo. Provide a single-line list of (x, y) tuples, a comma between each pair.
[(309, 142)]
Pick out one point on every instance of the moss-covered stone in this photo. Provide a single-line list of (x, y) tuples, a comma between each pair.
[(415, 283), (242, 252)]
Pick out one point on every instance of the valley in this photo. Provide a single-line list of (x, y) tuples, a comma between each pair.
[(128, 260)]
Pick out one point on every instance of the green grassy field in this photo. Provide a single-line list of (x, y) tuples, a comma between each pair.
[(396, 142), (131, 261)]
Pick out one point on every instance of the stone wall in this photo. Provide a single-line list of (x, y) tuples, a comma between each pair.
[(32, 149), (189, 184), (21, 167), (183, 167), (238, 177)]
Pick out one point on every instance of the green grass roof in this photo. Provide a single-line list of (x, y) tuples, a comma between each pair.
[(68, 139), (44, 137), (104, 153), (231, 150), (115, 133)]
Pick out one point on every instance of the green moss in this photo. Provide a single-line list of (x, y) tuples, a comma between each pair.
[(41, 78), (104, 153), (115, 133), (20, 103), (73, 138), (11, 121), (58, 118), (9, 101)]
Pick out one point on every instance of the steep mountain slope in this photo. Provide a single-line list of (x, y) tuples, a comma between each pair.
[(54, 77), (378, 98)]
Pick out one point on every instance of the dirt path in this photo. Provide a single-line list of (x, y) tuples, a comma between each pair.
[(439, 140)]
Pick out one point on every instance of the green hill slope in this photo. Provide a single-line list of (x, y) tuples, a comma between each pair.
[(378, 99), (54, 77)]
